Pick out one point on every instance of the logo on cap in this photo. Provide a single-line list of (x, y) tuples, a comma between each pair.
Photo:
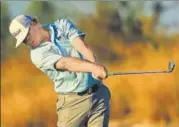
[(16, 33)]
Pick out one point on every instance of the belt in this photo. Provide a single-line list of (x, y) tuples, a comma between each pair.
[(89, 91)]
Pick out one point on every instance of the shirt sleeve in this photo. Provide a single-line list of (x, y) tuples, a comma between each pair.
[(70, 30), (46, 59)]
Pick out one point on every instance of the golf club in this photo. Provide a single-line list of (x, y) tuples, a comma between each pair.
[(171, 67)]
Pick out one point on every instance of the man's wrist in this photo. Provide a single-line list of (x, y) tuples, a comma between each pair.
[(94, 68)]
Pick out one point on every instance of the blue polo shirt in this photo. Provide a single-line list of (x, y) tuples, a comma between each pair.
[(45, 55)]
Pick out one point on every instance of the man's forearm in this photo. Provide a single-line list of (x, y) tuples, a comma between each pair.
[(75, 65), (79, 44), (89, 55)]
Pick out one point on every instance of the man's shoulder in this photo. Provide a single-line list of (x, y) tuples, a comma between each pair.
[(61, 22)]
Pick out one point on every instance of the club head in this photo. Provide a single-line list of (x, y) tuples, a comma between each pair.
[(171, 66)]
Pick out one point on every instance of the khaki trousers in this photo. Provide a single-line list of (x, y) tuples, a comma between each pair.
[(88, 110)]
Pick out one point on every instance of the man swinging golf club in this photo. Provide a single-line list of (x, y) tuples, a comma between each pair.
[(58, 49)]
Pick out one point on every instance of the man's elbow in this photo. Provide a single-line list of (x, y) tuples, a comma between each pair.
[(61, 64), (66, 63)]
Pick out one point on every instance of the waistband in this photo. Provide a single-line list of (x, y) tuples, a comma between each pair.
[(89, 91)]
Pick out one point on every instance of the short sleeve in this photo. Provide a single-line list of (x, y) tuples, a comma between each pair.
[(45, 59), (70, 29)]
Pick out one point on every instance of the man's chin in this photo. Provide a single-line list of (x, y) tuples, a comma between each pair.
[(35, 45)]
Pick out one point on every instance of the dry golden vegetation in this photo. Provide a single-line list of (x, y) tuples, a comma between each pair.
[(28, 97)]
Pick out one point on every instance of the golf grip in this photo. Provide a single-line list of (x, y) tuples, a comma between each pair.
[(128, 73)]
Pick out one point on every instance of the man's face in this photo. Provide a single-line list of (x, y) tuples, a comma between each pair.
[(34, 36)]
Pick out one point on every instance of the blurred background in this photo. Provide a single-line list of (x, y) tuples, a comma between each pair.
[(125, 36)]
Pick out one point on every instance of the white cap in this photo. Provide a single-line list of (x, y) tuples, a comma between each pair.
[(19, 27)]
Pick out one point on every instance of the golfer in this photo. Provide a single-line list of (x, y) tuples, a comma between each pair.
[(58, 49)]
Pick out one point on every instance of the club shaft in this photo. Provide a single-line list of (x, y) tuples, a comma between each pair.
[(129, 73)]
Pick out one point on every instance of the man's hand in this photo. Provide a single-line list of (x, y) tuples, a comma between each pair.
[(100, 72)]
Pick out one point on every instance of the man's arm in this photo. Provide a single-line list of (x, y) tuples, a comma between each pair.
[(75, 37), (83, 48), (76, 65), (88, 54)]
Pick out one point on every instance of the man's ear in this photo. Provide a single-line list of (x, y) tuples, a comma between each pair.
[(33, 23)]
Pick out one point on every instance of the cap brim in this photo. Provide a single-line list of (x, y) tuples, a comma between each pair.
[(22, 36)]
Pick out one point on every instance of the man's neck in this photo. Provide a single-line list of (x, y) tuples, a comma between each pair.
[(46, 35)]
